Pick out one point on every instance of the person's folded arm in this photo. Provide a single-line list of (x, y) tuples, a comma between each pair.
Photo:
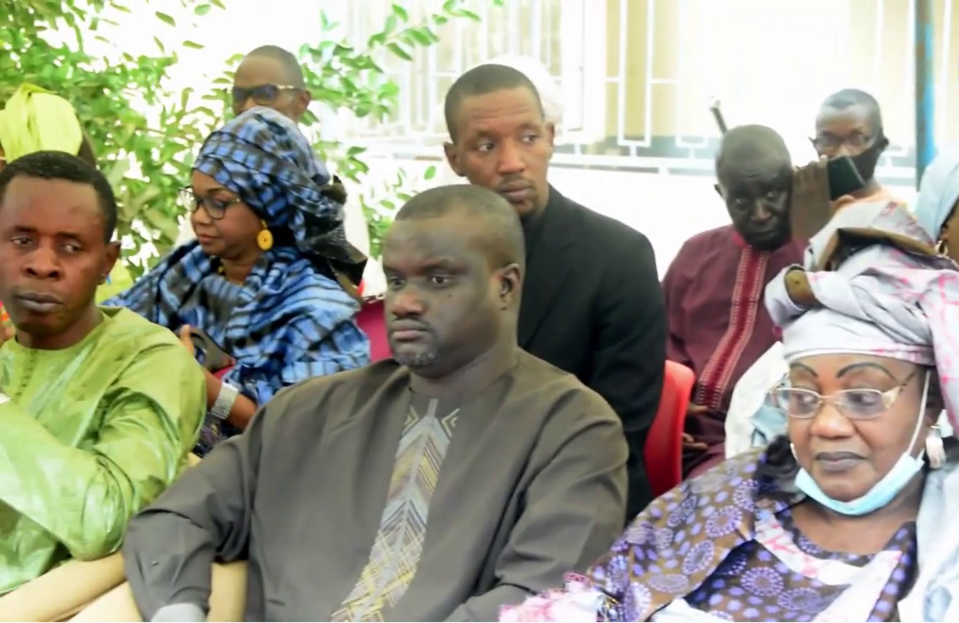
[(84, 496), (573, 511), (205, 516)]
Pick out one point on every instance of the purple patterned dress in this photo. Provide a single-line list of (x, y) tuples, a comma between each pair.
[(754, 583), (726, 544)]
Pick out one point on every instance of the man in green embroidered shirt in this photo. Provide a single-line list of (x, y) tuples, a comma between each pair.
[(98, 407)]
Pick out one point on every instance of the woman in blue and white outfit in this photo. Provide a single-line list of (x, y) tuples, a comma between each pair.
[(270, 278)]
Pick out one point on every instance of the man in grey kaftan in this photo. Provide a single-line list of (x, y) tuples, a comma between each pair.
[(461, 476)]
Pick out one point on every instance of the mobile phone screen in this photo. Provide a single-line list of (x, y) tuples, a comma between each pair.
[(844, 178)]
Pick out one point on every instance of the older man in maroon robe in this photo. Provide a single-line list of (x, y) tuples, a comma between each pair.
[(718, 324)]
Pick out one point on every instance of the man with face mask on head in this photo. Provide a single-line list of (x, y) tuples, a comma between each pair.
[(849, 123), (718, 325)]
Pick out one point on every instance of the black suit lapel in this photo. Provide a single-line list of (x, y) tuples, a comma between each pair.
[(547, 266)]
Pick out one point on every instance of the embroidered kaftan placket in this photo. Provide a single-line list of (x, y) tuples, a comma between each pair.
[(399, 541)]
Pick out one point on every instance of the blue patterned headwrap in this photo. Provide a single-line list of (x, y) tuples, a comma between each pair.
[(263, 158)]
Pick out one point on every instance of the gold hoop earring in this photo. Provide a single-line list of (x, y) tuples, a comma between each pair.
[(264, 239)]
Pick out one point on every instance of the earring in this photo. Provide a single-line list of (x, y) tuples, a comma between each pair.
[(934, 448), (942, 248), (264, 239)]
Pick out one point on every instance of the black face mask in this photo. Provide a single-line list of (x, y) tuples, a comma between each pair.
[(866, 161)]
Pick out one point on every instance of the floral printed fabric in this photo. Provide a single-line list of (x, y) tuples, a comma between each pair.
[(725, 543)]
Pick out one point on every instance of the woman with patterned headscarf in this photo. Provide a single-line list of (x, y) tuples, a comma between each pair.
[(267, 286), (847, 517)]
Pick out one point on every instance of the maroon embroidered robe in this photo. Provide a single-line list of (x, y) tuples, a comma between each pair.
[(718, 324)]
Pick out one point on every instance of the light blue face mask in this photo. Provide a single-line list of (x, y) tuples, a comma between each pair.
[(883, 491)]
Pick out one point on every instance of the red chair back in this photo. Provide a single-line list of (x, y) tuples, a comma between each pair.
[(664, 445), (373, 323)]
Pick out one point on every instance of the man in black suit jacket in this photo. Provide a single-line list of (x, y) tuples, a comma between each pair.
[(592, 304)]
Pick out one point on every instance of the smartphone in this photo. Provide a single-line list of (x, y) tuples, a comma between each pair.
[(844, 177), (214, 357)]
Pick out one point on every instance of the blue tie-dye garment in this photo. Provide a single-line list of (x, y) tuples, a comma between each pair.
[(291, 320)]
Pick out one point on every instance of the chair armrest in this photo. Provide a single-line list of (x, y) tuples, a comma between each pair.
[(61, 592), (227, 601)]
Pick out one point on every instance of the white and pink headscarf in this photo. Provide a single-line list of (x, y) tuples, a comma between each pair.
[(884, 300)]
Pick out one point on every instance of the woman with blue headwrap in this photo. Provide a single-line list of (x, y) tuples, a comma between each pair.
[(269, 281), (850, 515), (937, 201)]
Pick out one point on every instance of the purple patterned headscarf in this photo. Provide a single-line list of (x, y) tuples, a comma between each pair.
[(881, 300)]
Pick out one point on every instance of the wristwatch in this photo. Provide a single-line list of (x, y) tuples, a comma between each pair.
[(224, 401)]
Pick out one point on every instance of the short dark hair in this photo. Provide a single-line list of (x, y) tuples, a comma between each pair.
[(288, 61), (496, 222), (748, 144), (854, 97), (480, 81), (58, 165)]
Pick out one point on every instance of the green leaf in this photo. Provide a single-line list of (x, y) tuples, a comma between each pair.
[(400, 12), (202, 9), (391, 24), (165, 17), (463, 13), (193, 45), (398, 50), (160, 45), (326, 25), (430, 172)]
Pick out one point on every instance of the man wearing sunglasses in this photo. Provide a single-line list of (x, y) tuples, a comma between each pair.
[(271, 76)]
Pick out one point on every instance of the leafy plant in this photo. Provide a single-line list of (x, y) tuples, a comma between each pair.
[(45, 42), (145, 134), (352, 78)]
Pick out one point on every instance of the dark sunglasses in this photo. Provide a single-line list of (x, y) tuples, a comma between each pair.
[(262, 94)]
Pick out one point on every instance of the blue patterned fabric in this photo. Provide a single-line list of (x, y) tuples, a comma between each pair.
[(292, 320)]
